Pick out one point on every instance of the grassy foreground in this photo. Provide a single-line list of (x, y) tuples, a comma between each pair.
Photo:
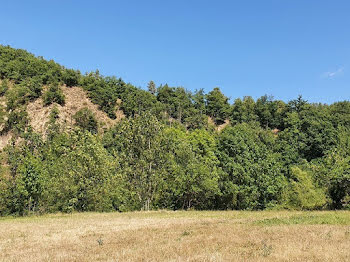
[(178, 236)]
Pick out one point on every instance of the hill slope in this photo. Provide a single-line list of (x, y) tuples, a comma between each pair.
[(75, 100)]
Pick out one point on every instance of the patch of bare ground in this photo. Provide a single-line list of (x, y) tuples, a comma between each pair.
[(75, 99), (5, 139), (218, 128), (174, 236)]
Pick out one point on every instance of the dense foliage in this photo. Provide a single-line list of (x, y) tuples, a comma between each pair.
[(252, 154)]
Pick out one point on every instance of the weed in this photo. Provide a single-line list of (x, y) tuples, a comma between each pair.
[(347, 232), (100, 241), (185, 233), (266, 249), (329, 235)]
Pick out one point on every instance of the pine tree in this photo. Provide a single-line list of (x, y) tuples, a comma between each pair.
[(152, 87)]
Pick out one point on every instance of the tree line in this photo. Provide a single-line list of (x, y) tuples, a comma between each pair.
[(165, 153)]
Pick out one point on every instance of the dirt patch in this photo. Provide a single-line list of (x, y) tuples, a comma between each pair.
[(222, 126), (75, 99), (218, 128), (4, 140)]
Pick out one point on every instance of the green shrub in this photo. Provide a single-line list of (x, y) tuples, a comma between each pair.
[(86, 120), (70, 77), (4, 191), (4, 87), (34, 85), (17, 121), (53, 127), (302, 193), (17, 96), (54, 95)]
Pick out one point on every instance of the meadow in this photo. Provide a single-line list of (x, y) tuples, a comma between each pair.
[(178, 236)]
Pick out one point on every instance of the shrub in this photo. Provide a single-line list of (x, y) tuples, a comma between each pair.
[(86, 120), (18, 95), (35, 85), (302, 192), (17, 121), (70, 77), (3, 87), (4, 191), (54, 95)]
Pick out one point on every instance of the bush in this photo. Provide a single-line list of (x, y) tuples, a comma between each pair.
[(34, 86), (84, 178), (3, 87), (4, 191), (17, 121), (18, 95), (302, 193), (54, 95), (70, 77), (86, 120)]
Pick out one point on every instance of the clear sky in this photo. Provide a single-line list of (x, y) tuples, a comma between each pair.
[(276, 47)]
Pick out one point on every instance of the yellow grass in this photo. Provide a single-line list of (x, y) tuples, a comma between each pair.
[(178, 236)]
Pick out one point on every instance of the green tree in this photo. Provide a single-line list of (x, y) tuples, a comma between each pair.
[(263, 110), (4, 87), (243, 111), (70, 77), (86, 120), (34, 86), (309, 132), (217, 105), (5, 190), (252, 177), (152, 87), (54, 127), (302, 192), (196, 117), (17, 96), (333, 171), (54, 95), (139, 144), (177, 102), (192, 176), (80, 175), (17, 121)]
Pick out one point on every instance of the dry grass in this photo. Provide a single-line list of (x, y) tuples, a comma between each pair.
[(178, 236)]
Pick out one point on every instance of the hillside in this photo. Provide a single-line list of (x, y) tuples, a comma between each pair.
[(75, 100), (88, 142)]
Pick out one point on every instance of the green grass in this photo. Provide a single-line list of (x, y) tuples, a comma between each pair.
[(263, 218), (309, 218)]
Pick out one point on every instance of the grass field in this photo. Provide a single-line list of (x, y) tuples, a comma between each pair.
[(178, 236)]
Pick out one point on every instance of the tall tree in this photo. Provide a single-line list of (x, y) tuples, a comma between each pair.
[(243, 111), (252, 176), (139, 143), (152, 87), (217, 105)]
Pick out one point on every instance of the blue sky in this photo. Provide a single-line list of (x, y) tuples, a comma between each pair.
[(276, 47)]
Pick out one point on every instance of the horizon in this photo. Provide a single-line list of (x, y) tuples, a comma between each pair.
[(278, 49)]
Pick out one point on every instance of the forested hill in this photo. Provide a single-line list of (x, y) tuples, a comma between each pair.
[(86, 142)]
